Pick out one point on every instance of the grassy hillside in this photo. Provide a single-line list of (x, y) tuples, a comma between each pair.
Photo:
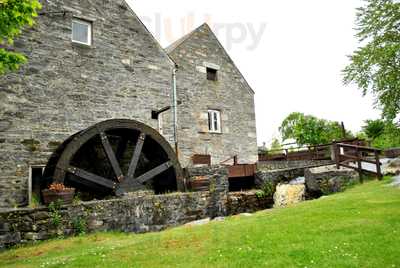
[(358, 228)]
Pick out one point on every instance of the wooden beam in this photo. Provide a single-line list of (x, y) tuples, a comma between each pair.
[(111, 156), (154, 172), (362, 148), (378, 166), (93, 178), (359, 166), (136, 155), (356, 158)]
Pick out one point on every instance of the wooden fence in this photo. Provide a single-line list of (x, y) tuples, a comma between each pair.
[(317, 152), (361, 158)]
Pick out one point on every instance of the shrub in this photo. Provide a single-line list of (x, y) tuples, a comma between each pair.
[(55, 213), (79, 224), (267, 190)]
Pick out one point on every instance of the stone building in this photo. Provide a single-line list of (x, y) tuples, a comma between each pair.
[(90, 61), (216, 114)]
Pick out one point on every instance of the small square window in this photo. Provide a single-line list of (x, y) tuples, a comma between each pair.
[(212, 74), (214, 121), (81, 32)]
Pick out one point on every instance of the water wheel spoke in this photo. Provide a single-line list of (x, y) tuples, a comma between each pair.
[(93, 178), (154, 172), (136, 155), (111, 156)]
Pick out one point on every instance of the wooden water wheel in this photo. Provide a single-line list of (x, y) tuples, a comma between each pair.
[(116, 157)]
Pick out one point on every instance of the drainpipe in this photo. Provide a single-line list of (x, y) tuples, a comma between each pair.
[(175, 109)]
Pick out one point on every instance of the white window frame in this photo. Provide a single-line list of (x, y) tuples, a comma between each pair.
[(214, 116), (84, 22)]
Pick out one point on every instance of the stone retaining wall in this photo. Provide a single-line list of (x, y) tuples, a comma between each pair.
[(277, 176), (327, 180), (247, 202), (274, 165), (136, 214), (139, 214)]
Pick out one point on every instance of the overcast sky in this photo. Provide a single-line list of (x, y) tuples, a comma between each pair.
[(291, 52)]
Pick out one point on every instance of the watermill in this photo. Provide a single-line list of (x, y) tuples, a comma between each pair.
[(116, 157)]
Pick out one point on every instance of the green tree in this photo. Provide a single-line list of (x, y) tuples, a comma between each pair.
[(14, 16), (310, 130), (276, 146), (374, 128), (375, 67), (383, 134)]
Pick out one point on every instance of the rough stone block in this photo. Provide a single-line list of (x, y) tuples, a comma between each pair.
[(289, 194), (329, 179)]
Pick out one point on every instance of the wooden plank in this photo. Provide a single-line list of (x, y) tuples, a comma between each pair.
[(347, 166), (111, 156), (136, 155), (362, 148), (378, 165), (245, 170), (355, 168), (337, 155), (202, 159), (359, 166), (355, 158), (154, 172), (93, 178)]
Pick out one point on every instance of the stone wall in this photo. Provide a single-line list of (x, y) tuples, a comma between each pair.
[(141, 214), (125, 74), (230, 95), (274, 165), (66, 87), (305, 183), (218, 186), (327, 180), (277, 176), (135, 214), (247, 202)]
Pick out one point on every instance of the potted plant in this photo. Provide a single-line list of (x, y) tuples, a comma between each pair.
[(58, 191)]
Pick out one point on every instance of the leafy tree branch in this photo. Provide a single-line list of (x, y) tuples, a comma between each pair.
[(14, 16)]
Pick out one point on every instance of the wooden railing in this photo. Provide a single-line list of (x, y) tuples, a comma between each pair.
[(361, 158), (313, 152)]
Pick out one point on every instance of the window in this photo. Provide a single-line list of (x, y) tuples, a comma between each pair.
[(212, 74), (82, 32), (214, 121)]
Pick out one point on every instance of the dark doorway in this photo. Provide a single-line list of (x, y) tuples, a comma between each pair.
[(241, 184), (38, 184)]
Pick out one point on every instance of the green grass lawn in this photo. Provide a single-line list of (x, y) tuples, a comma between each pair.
[(358, 228)]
